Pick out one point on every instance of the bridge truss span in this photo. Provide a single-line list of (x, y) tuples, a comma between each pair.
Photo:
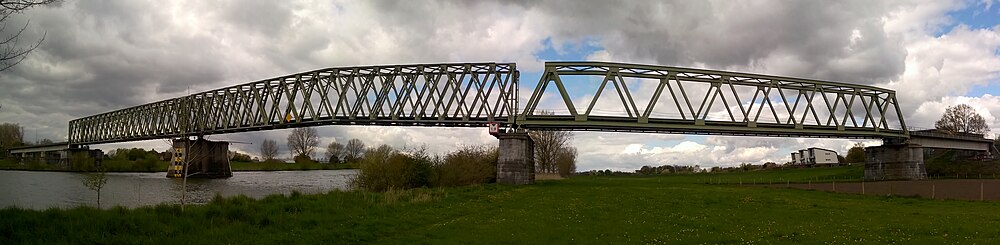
[(646, 98), (449, 94)]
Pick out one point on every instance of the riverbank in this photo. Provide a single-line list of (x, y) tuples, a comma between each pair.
[(118, 166), (586, 209)]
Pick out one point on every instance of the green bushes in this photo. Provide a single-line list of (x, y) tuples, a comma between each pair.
[(302, 159), (384, 168), (81, 162), (468, 166)]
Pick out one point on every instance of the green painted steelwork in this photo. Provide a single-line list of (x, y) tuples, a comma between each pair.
[(452, 95), (818, 109), (475, 94)]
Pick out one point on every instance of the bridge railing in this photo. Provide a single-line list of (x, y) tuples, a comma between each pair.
[(694, 101), (932, 132), (450, 94)]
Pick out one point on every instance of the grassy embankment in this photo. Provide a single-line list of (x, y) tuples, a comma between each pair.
[(661, 209), (117, 165), (945, 164)]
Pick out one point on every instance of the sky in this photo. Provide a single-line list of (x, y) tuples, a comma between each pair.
[(104, 55)]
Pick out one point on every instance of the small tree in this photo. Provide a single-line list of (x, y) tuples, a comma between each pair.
[(268, 150), (302, 141), (95, 181), (962, 119), (334, 152), (354, 150), (566, 161), (856, 154)]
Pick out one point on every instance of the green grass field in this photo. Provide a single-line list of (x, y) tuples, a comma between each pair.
[(595, 210)]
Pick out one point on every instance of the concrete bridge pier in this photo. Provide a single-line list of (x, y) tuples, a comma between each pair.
[(895, 161), (207, 159), (516, 160)]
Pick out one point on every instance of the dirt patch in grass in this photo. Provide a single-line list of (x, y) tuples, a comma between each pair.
[(547, 176)]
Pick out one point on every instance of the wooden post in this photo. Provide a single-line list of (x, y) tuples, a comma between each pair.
[(933, 191), (862, 186), (981, 191)]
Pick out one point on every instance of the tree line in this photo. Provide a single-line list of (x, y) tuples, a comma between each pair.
[(553, 154)]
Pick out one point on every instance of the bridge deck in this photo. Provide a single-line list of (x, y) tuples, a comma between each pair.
[(681, 100)]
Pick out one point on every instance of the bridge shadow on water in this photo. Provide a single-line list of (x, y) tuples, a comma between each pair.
[(954, 189)]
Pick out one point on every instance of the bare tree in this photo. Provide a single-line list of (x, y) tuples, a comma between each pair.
[(354, 150), (962, 119), (334, 152), (268, 150), (548, 146), (11, 51), (302, 141)]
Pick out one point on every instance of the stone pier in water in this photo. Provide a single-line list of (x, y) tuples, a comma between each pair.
[(206, 159)]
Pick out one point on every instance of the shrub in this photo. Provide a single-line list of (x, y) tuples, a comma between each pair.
[(303, 159), (272, 164), (147, 163), (81, 162), (384, 168), (467, 166)]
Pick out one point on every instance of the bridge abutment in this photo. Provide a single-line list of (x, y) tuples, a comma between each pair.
[(516, 160), (206, 159), (895, 161)]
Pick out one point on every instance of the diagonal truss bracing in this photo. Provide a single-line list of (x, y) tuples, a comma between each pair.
[(675, 100), (452, 95), (696, 101)]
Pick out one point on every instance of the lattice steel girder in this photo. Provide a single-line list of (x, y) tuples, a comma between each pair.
[(450, 94), (789, 106)]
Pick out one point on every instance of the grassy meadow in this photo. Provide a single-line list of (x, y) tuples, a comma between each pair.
[(585, 209)]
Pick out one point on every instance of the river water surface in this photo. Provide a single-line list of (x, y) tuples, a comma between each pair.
[(42, 190)]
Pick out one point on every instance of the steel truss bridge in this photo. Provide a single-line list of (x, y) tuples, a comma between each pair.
[(628, 97)]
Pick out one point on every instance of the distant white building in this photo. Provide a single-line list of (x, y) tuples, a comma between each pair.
[(814, 155), (803, 157)]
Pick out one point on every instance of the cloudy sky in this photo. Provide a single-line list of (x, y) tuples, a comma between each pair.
[(99, 56)]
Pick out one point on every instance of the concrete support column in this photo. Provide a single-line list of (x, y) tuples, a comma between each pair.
[(516, 161), (890, 162), (206, 159)]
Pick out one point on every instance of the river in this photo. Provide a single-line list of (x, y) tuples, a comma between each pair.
[(42, 190)]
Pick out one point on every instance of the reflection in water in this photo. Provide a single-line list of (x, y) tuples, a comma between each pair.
[(41, 190)]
